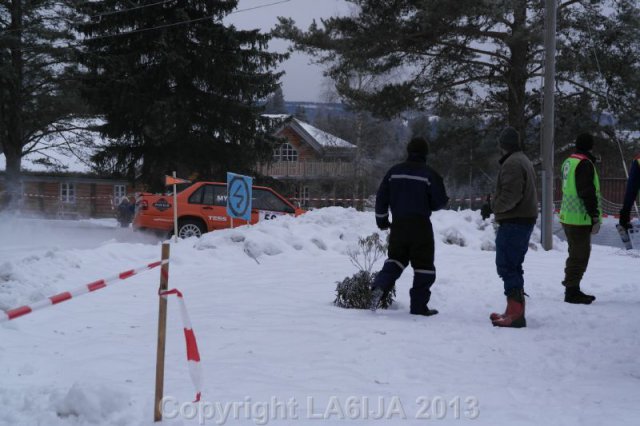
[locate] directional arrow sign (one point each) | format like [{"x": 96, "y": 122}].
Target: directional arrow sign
[{"x": 239, "y": 196}]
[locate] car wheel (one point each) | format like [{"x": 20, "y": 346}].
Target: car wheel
[{"x": 190, "y": 228}]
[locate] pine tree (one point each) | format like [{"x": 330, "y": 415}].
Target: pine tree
[
  {"x": 38, "y": 94},
  {"x": 178, "y": 89},
  {"x": 482, "y": 54},
  {"x": 275, "y": 104}
]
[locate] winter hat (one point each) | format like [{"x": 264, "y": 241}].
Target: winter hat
[
  {"x": 509, "y": 140},
  {"x": 418, "y": 146},
  {"x": 584, "y": 142}
]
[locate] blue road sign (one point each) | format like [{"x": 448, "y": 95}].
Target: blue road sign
[{"x": 239, "y": 196}]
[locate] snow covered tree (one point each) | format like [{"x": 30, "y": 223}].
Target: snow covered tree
[
  {"x": 485, "y": 55},
  {"x": 38, "y": 95},
  {"x": 178, "y": 89}
]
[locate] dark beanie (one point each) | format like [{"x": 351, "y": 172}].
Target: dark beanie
[
  {"x": 509, "y": 140},
  {"x": 584, "y": 142},
  {"x": 418, "y": 146}
]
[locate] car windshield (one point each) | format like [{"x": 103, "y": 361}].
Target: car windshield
[{"x": 179, "y": 188}]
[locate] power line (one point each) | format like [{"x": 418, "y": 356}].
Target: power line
[
  {"x": 114, "y": 12},
  {"x": 157, "y": 27},
  {"x": 184, "y": 22}
]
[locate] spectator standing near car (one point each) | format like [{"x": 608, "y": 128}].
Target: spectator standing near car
[
  {"x": 125, "y": 212},
  {"x": 515, "y": 206},
  {"x": 411, "y": 190},
  {"x": 580, "y": 215},
  {"x": 485, "y": 210},
  {"x": 631, "y": 194}
]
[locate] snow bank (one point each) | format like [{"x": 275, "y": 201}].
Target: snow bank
[
  {"x": 336, "y": 229},
  {"x": 82, "y": 404},
  {"x": 41, "y": 273}
]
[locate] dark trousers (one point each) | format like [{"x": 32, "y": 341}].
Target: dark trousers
[
  {"x": 579, "y": 239},
  {"x": 512, "y": 244},
  {"x": 411, "y": 241}
]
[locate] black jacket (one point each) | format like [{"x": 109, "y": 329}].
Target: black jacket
[
  {"x": 633, "y": 185},
  {"x": 410, "y": 189}
]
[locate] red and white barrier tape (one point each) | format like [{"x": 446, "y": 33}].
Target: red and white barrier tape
[
  {"x": 193, "y": 356},
  {"x": 328, "y": 199},
  {"x": 458, "y": 200},
  {"x": 101, "y": 197},
  {"x": 87, "y": 288}
]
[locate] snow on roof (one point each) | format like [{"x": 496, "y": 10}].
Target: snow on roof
[
  {"x": 276, "y": 116},
  {"x": 325, "y": 139}
]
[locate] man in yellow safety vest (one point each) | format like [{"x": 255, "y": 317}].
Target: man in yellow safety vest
[{"x": 580, "y": 215}]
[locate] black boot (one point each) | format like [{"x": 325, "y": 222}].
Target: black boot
[
  {"x": 419, "y": 299},
  {"x": 576, "y": 296}
]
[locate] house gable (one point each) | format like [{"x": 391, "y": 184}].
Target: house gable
[{"x": 313, "y": 143}]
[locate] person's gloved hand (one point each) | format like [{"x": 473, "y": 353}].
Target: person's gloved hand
[
  {"x": 595, "y": 225},
  {"x": 383, "y": 223},
  {"x": 625, "y": 219}
]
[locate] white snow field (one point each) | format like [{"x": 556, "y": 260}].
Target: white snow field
[{"x": 274, "y": 349}]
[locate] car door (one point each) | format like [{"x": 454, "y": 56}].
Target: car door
[
  {"x": 268, "y": 205},
  {"x": 211, "y": 201}
]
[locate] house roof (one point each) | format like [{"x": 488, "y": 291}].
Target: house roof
[{"x": 316, "y": 138}]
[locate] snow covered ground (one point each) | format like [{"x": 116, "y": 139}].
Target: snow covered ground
[{"x": 276, "y": 351}]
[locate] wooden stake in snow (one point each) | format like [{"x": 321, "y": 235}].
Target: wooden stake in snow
[{"x": 162, "y": 334}]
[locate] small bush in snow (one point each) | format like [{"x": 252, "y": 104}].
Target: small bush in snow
[{"x": 354, "y": 292}]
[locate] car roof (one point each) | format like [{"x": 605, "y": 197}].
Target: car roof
[{"x": 225, "y": 184}]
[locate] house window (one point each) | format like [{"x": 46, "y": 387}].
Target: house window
[
  {"x": 68, "y": 192},
  {"x": 119, "y": 191},
  {"x": 286, "y": 152}
]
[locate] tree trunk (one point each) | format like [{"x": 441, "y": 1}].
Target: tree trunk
[
  {"x": 516, "y": 76},
  {"x": 13, "y": 143}
]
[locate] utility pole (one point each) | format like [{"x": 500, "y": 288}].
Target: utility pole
[
  {"x": 547, "y": 147},
  {"x": 470, "y": 173}
]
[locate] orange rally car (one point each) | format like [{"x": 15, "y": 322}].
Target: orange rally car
[{"x": 202, "y": 207}]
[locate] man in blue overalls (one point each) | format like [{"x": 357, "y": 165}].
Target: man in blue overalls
[{"x": 411, "y": 190}]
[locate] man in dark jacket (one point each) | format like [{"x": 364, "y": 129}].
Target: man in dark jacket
[
  {"x": 485, "y": 210},
  {"x": 125, "y": 212},
  {"x": 580, "y": 215},
  {"x": 515, "y": 206},
  {"x": 412, "y": 190},
  {"x": 632, "y": 192}
]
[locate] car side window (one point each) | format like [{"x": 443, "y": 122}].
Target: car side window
[
  {"x": 220, "y": 195},
  {"x": 266, "y": 200},
  {"x": 196, "y": 197},
  {"x": 209, "y": 195}
]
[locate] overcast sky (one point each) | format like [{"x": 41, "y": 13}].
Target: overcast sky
[{"x": 302, "y": 81}]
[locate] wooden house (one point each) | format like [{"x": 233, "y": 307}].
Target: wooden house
[{"x": 317, "y": 168}]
